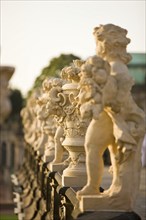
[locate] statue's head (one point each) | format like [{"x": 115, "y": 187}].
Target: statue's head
[
  {"x": 71, "y": 73},
  {"x": 111, "y": 42}
]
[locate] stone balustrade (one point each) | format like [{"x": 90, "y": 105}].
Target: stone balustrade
[{"x": 68, "y": 124}]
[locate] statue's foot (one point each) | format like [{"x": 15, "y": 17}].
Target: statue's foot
[
  {"x": 88, "y": 190},
  {"x": 113, "y": 189},
  {"x": 108, "y": 191},
  {"x": 56, "y": 161}
]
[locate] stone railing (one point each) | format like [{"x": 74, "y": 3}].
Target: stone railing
[{"x": 68, "y": 124}]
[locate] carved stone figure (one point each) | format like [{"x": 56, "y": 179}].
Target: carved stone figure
[
  {"x": 116, "y": 122},
  {"x": 39, "y": 126},
  {"x": 46, "y": 145},
  {"x": 55, "y": 110},
  {"x": 31, "y": 124}
]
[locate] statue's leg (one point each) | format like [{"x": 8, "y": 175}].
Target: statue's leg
[
  {"x": 95, "y": 167},
  {"x": 41, "y": 144},
  {"x": 58, "y": 146},
  {"x": 115, "y": 166},
  {"x": 98, "y": 137}
]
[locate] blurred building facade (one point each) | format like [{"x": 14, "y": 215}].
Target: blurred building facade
[{"x": 11, "y": 138}]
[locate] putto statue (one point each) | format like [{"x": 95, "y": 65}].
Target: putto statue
[{"x": 116, "y": 122}]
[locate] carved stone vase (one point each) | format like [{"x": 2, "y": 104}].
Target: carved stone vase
[{"x": 75, "y": 173}]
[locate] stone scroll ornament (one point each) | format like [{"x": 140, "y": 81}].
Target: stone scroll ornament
[{"x": 116, "y": 123}]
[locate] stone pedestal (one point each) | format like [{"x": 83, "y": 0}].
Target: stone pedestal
[
  {"x": 75, "y": 174},
  {"x": 77, "y": 181},
  {"x": 57, "y": 167},
  {"x": 109, "y": 216},
  {"x": 49, "y": 157},
  {"x": 100, "y": 203}
]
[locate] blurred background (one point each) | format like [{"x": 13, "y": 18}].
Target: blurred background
[{"x": 39, "y": 38}]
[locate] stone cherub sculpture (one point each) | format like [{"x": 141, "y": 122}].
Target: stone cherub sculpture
[
  {"x": 54, "y": 110},
  {"x": 48, "y": 126},
  {"x": 116, "y": 121},
  {"x": 31, "y": 124}
]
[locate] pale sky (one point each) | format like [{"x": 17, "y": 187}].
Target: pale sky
[{"x": 34, "y": 32}]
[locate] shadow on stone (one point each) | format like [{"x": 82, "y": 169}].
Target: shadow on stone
[{"x": 109, "y": 216}]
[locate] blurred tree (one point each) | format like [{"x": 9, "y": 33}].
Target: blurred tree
[
  {"x": 53, "y": 69},
  {"x": 17, "y": 101}
]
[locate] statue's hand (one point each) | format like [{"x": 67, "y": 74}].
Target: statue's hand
[
  {"x": 115, "y": 106},
  {"x": 125, "y": 148},
  {"x": 124, "y": 152}
]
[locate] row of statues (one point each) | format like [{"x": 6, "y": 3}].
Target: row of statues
[{"x": 73, "y": 119}]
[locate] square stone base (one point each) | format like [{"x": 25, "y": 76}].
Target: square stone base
[
  {"x": 108, "y": 216},
  {"x": 48, "y": 158},
  {"x": 76, "y": 181},
  {"x": 58, "y": 167},
  {"x": 100, "y": 203}
]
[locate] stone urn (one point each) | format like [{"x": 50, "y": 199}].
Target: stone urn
[{"x": 74, "y": 128}]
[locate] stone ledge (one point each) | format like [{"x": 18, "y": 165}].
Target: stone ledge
[
  {"x": 109, "y": 216},
  {"x": 104, "y": 203}
]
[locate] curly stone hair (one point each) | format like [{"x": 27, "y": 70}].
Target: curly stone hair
[{"x": 113, "y": 42}]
